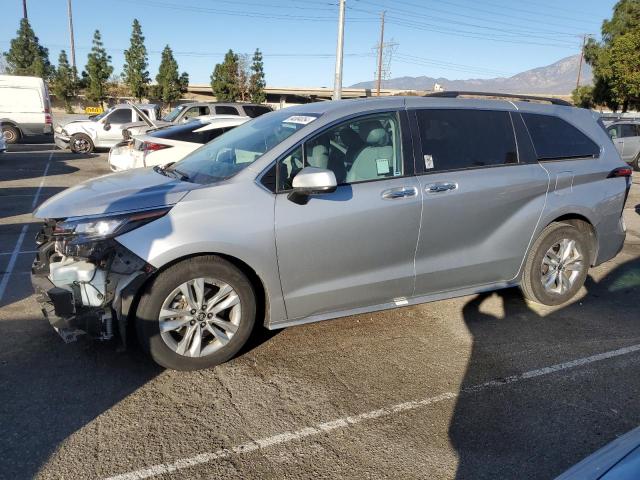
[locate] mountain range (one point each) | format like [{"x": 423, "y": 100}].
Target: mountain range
[{"x": 558, "y": 78}]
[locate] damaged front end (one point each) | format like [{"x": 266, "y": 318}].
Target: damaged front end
[{"x": 84, "y": 279}]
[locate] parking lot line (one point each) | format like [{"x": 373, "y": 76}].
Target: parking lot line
[
  {"x": 16, "y": 250},
  {"x": 345, "y": 422}
]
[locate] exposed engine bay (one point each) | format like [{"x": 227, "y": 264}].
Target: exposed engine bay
[{"x": 85, "y": 283}]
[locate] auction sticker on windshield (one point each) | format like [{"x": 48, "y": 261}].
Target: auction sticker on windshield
[{"x": 300, "y": 119}]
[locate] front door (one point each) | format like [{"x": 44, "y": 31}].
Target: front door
[
  {"x": 354, "y": 247},
  {"x": 630, "y": 133},
  {"x": 480, "y": 205},
  {"x": 110, "y": 129}
]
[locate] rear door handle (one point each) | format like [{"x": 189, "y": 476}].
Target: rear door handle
[
  {"x": 399, "y": 192},
  {"x": 441, "y": 187}
]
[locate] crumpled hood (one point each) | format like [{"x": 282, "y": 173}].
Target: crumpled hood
[{"x": 131, "y": 190}]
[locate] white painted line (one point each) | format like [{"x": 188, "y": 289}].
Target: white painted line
[
  {"x": 16, "y": 250},
  {"x": 19, "y": 253},
  {"x": 345, "y": 422}
]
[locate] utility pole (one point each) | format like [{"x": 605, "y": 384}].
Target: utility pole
[
  {"x": 337, "y": 84},
  {"x": 24, "y": 8},
  {"x": 584, "y": 42},
  {"x": 73, "y": 46},
  {"x": 380, "y": 49}
]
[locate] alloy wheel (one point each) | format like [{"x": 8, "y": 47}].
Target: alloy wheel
[
  {"x": 200, "y": 317},
  {"x": 561, "y": 266}
]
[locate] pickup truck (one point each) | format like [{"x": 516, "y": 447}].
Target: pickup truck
[{"x": 101, "y": 131}]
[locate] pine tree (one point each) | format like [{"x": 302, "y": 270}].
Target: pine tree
[
  {"x": 169, "y": 82},
  {"x": 99, "y": 70},
  {"x": 184, "y": 82},
  {"x": 135, "y": 74},
  {"x": 256, "y": 80},
  {"x": 64, "y": 82},
  {"x": 26, "y": 56},
  {"x": 224, "y": 79}
]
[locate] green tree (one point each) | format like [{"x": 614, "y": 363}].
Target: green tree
[
  {"x": 256, "y": 80},
  {"x": 64, "y": 82},
  {"x": 224, "y": 79},
  {"x": 99, "y": 70},
  {"x": 615, "y": 59},
  {"x": 26, "y": 56},
  {"x": 169, "y": 87},
  {"x": 135, "y": 73},
  {"x": 184, "y": 82},
  {"x": 583, "y": 96}
]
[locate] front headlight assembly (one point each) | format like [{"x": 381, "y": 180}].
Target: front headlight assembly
[
  {"x": 82, "y": 236},
  {"x": 106, "y": 227}
]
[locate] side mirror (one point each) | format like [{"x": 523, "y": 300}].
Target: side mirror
[
  {"x": 107, "y": 126},
  {"x": 312, "y": 181}
]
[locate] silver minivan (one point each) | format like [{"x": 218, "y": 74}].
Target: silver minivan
[{"x": 332, "y": 209}]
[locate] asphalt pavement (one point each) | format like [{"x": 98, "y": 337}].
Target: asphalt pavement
[{"x": 480, "y": 387}]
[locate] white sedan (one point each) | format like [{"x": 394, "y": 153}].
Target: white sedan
[{"x": 169, "y": 144}]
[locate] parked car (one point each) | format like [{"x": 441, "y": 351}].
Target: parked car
[
  {"x": 25, "y": 107},
  {"x": 626, "y": 137},
  {"x": 331, "y": 209},
  {"x": 618, "y": 460},
  {"x": 100, "y": 131},
  {"x": 169, "y": 144},
  {"x": 187, "y": 112}
]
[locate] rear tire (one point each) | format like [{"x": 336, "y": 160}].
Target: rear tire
[
  {"x": 636, "y": 163},
  {"x": 11, "y": 134},
  {"x": 81, "y": 143},
  {"x": 205, "y": 336},
  {"x": 557, "y": 265}
]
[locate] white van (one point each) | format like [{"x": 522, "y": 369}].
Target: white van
[{"x": 25, "y": 108}]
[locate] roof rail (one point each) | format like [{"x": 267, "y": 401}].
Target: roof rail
[{"x": 526, "y": 98}]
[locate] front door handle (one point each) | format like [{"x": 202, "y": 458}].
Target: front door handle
[
  {"x": 441, "y": 187},
  {"x": 399, "y": 192}
]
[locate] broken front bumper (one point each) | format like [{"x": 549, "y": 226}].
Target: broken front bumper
[
  {"x": 75, "y": 306},
  {"x": 62, "y": 141}
]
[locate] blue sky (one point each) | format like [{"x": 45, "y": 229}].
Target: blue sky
[{"x": 451, "y": 38}]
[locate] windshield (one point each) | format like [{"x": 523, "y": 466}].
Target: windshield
[
  {"x": 235, "y": 150},
  {"x": 102, "y": 115},
  {"x": 173, "y": 114}
]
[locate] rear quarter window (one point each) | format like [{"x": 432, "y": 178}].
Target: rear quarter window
[
  {"x": 554, "y": 138},
  {"x": 254, "y": 111}
]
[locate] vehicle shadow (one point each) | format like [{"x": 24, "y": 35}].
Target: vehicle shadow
[
  {"x": 31, "y": 163},
  {"x": 539, "y": 428},
  {"x": 48, "y": 390}
]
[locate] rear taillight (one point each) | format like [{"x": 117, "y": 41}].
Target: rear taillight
[
  {"x": 621, "y": 172},
  {"x": 151, "y": 147},
  {"x": 154, "y": 147},
  {"x": 47, "y": 119}
]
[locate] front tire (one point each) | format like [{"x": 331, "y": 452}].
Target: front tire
[
  {"x": 557, "y": 265},
  {"x": 11, "y": 134},
  {"x": 81, "y": 143},
  {"x": 196, "y": 314}
]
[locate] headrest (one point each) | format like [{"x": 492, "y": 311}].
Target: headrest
[
  {"x": 319, "y": 156},
  {"x": 377, "y": 138},
  {"x": 350, "y": 138}
]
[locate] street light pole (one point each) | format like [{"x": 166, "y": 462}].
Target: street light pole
[
  {"x": 73, "y": 46},
  {"x": 337, "y": 85},
  {"x": 24, "y": 8}
]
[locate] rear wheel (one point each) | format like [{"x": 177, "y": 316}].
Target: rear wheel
[
  {"x": 636, "y": 163},
  {"x": 11, "y": 134},
  {"x": 557, "y": 265},
  {"x": 196, "y": 314},
  {"x": 81, "y": 143}
]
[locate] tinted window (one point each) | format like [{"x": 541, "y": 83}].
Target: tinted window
[
  {"x": 226, "y": 110},
  {"x": 120, "y": 115},
  {"x": 454, "y": 139},
  {"x": 554, "y": 138},
  {"x": 254, "y": 111},
  {"x": 629, "y": 130},
  {"x": 187, "y": 133}
]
